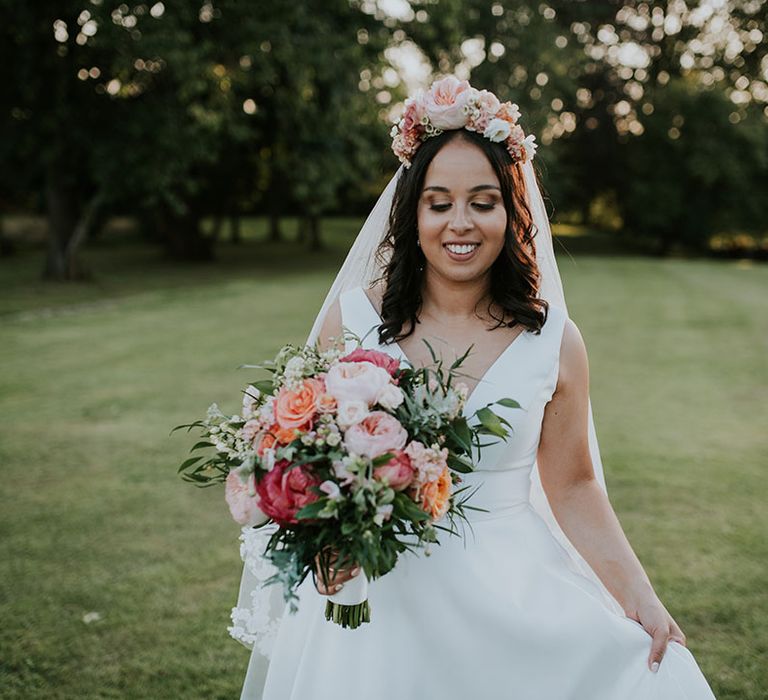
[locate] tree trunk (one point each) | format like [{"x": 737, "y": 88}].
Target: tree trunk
[
  {"x": 218, "y": 223},
  {"x": 302, "y": 233},
  {"x": 275, "y": 234},
  {"x": 235, "y": 230},
  {"x": 184, "y": 239},
  {"x": 7, "y": 247},
  {"x": 68, "y": 228},
  {"x": 313, "y": 229}
]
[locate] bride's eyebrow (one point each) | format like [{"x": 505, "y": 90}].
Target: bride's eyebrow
[{"x": 476, "y": 188}]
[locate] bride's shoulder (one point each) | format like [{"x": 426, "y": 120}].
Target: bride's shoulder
[
  {"x": 331, "y": 326},
  {"x": 574, "y": 362}
]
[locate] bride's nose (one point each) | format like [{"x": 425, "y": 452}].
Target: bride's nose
[{"x": 460, "y": 221}]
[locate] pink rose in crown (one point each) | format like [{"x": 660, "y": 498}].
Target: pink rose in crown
[
  {"x": 398, "y": 472},
  {"x": 356, "y": 381},
  {"x": 375, "y": 357},
  {"x": 243, "y": 506},
  {"x": 445, "y": 102},
  {"x": 414, "y": 111},
  {"x": 283, "y": 492},
  {"x": 376, "y": 434}
]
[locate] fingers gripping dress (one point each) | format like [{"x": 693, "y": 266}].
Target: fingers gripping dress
[{"x": 497, "y": 615}]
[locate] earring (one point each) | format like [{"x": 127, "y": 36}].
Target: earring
[{"x": 418, "y": 243}]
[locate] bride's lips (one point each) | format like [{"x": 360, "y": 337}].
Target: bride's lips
[{"x": 461, "y": 257}]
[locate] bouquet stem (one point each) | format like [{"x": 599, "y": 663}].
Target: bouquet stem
[
  {"x": 351, "y": 616},
  {"x": 349, "y": 607}
]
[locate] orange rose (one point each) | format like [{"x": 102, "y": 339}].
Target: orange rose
[
  {"x": 436, "y": 495},
  {"x": 283, "y": 435},
  {"x": 297, "y": 408}
]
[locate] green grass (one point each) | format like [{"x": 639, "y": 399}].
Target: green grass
[{"x": 94, "y": 518}]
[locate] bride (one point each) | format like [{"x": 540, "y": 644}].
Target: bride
[{"x": 545, "y": 598}]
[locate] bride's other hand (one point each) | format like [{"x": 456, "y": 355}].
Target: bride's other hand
[
  {"x": 657, "y": 621},
  {"x": 337, "y": 577}
]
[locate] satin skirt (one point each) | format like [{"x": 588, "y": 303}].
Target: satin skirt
[{"x": 498, "y": 614}]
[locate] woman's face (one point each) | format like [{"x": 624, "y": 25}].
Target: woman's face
[{"x": 461, "y": 215}]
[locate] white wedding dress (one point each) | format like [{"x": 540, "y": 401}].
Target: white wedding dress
[{"x": 497, "y": 615}]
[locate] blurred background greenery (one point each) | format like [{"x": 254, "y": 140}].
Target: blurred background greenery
[{"x": 179, "y": 186}]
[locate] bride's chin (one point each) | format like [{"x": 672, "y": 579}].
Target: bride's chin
[{"x": 460, "y": 273}]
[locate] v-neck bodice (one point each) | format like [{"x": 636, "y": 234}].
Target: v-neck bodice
[
  {"x": 526, "y": 371},
  {"x": 401, "y": 354}
]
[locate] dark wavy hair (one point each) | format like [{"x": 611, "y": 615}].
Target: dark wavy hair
[{"x": 515, "y": 275}]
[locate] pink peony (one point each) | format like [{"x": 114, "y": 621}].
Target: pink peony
[
  {"x": 283, "y": 492},
  {"x": 375, "y": 357},
  {"x": 356, "y": 381},
  {"x": 398, "y": 472},
  {"x": 243, "y": 506},
  {"x": 376, "y": 434},
  {"x": 445, "y": 102}
]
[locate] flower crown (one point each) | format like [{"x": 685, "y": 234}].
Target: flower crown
[{"x": 451, "y": 103}]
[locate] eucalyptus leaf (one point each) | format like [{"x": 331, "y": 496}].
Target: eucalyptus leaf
[
  {"x": 507, "y": 403},
  {"x": 490, "y": 421},
  {"x": 189, "y": 462}
]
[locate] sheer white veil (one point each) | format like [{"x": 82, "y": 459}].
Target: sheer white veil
[{"x": 258, "y": 611}]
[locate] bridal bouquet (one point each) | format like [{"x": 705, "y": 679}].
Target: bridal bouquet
[{"x": 355, "y": 458}]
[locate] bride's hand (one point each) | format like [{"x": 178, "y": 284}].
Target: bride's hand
[
  {"x": 657, "y": 621},
  {"x": 338, "y": 577}
]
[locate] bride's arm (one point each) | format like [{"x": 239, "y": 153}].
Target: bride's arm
[{"x": 581, "y": 505}]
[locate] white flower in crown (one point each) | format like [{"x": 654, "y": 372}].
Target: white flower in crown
[
  {"x": 530, "y": 146},
  {"x": 497, "y": 130}
]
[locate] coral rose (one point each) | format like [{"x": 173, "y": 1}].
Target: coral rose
[
  {"x": 375, "y": 357},
  {"x": 398, "y": 472},
  {"x": 283, "y": 492},
  {"x": 242, "y": 500},
  {"x": 445, "y": 102},
  {"x": 294, "y": 409},
  {"x": 376, "y": 434},
  {"x": 435, "y": 496},
  {"x": 281, "y": 435}
]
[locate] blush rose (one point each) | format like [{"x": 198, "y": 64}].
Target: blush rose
[
  {"x": 398, "y": 472},
  {"x": 376, "y": 434}
]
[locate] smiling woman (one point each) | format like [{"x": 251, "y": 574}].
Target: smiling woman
[
  {"x": 492, "y": 615},
  {"x": 472, "y": 216}
]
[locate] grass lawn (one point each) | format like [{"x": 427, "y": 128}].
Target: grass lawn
[{"x": 94, "y": 518}]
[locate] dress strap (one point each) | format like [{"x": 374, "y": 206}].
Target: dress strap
[
  {"x": 359, "y": 316},
  {"x": 552, "y": 333}
]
